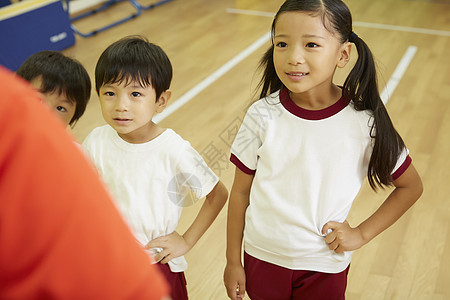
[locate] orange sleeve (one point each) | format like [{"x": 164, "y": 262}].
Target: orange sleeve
[{"x": 61, "y": 236}]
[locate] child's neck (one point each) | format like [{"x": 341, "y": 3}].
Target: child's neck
[
  {"x": 317, "y": 99},
  {"x": 143, "y": 135}
]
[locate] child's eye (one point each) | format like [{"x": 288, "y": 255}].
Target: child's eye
[
  {"x": 135, "y": 94},
  {"x": 281, "y": 45},
  {"x": 312, "y": 45},
  {"x": 61, "y": 109},
  {"x": 109, "y": 94}
]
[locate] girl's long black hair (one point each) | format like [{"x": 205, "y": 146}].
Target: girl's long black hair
[{"x": 360, "y": 86}]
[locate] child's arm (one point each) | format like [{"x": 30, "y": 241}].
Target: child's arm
[
  {"x": 175, "y": 245},
  {"x": 408, "y": 188},
  {"x": 234, "y": 275}
]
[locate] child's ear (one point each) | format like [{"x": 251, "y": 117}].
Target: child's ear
[
  {"x": 344, "y": 55},
  {"x": 163, "y": 100}
]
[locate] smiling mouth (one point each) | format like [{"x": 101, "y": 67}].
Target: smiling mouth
[{"x": 297, "y": 74}]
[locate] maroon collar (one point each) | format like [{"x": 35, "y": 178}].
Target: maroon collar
[{"x": 307, "y": 114}]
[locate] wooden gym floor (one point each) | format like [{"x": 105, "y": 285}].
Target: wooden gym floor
[{"x": 215, "y": 46}]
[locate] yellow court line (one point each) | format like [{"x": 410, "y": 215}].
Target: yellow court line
[{"x": 18, "y": 8}]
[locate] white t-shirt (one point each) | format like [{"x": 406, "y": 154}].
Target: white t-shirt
[
  {"x": 308, "y": 167},
  {"x": 152, "y": 181}
]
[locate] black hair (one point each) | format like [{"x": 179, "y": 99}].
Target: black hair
[
  {"x": 360, "y": 86},
  {"x": 134, "y": 58},
  {"x": 60, "y": 74}
]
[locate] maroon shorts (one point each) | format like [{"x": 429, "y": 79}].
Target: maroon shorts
[
  {"x": 266, "y": 281},
  {"x": 176, "y": 281}
]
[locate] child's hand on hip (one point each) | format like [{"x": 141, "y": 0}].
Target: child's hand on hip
[
  {"x": 341, "y": 237},
  {"x": 172, "y": 245}
]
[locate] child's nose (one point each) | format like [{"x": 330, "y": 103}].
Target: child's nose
[
  {"x": 296, "y": 56},
  {"x": 122, "y": 103}
]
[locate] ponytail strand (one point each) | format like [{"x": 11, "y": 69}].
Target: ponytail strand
[{"x": 362, "y": 88}]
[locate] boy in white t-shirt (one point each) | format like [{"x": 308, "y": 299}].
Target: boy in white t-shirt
[{"x": 151, "y": 171}]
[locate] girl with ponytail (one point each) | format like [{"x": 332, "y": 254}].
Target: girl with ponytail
[{"x": 301, "y": 156}]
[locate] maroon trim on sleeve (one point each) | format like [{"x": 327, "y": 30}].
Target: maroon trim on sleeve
[
  {"x": 241, "y": 166},
  {"x": 402, "y": 168}
]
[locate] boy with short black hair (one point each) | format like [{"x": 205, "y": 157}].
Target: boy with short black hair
[
  {"x": 151, "y": 171},
  {"x": 63, "y": 82}
]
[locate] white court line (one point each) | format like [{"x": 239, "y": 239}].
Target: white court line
[
  {"x": 250, "y": 12},
  {"x": 398, "y": 74},
  {"x": 356, "y": 24},
  {"x": 402, "y": 28},
  {"x": 211, "y": 78}
]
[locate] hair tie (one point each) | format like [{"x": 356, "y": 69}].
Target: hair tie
[{"x": 353, "y": 37}]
